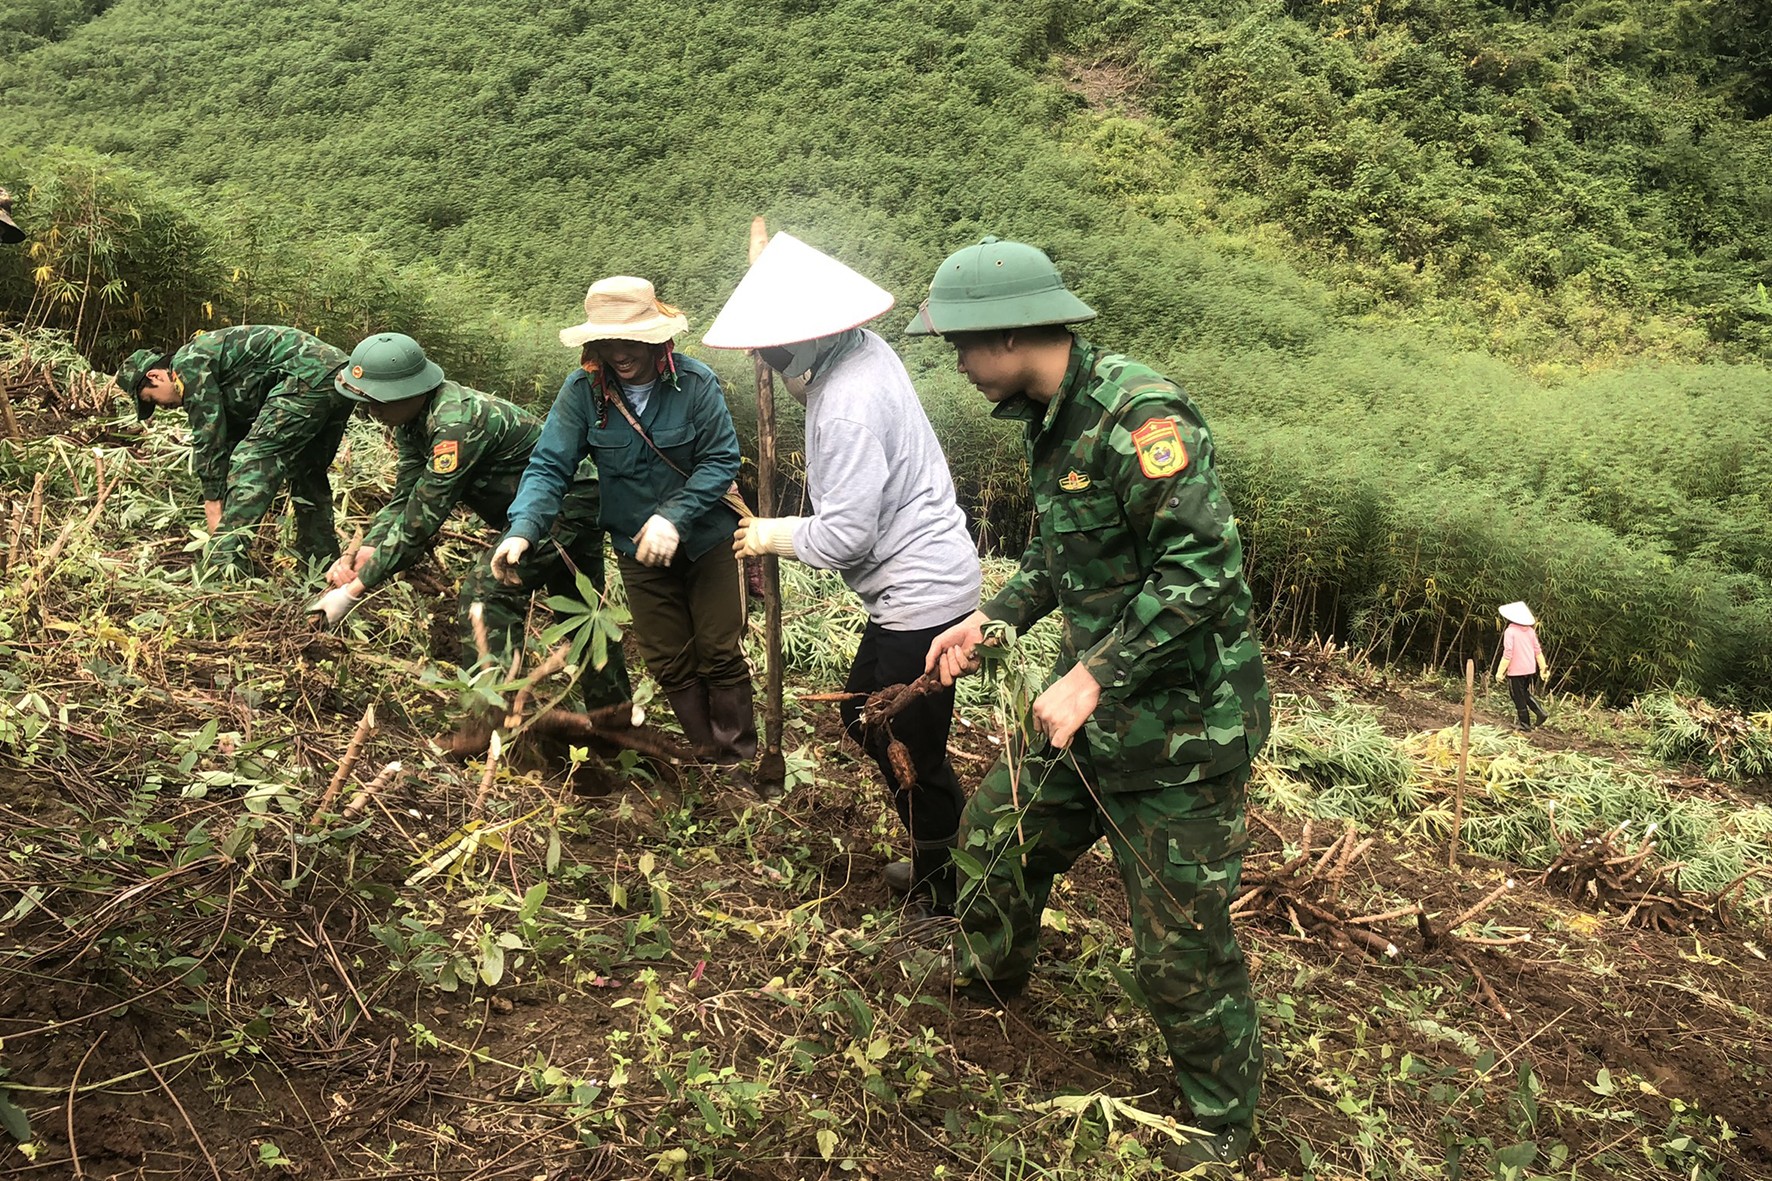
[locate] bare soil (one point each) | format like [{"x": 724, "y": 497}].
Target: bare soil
[{"x": 283, "y": 1044}]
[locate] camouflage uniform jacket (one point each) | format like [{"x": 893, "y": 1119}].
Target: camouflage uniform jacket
[
  {"x": 465, "y": 448},
  {"x": 1136, "y": 546},
  {"x": 230, "y": 377}
]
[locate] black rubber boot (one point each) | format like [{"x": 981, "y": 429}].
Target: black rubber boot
[
  {"x": 932, "y": 873},
  {"x": 899, "y": 877},
  {"x": 690, "y": 704},
  {"x": 990, "y": 992},
  {"x": 734, "y": 723}
]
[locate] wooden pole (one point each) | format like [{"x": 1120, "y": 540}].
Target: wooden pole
[
  {"x": 1464, "y": 755},
  {"x": 771, "y": 766}
]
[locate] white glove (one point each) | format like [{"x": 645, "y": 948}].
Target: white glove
[
  {"x": 334, "y": 605},
  {"x": 765, "y": 535},
  {"x": 507, "y": 557},
  {"x": 656, "y": 543}
]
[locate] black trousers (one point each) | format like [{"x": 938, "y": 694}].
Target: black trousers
[
  {"x": 689, "y": 618},
  {"x": 1521, "y": 688},
  {"x": 931, "y": 808}
]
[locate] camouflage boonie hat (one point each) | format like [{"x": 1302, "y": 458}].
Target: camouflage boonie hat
[{"x": 133, "y": 372}]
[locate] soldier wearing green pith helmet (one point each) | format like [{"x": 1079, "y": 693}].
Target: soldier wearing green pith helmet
[
  {"x": 263, "y": 413},
  {"x": 1160, "y": 701},
  {"x": 460, "y": 446}
]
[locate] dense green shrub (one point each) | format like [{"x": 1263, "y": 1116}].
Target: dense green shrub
[
  {"x": 118, "y": 261},
  {"x": 1554, "y": 164}
]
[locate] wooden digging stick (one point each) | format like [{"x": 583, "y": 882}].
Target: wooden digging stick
[
  {"x": 1464, "y": 755},
  {"x": 771, "y": 766}
]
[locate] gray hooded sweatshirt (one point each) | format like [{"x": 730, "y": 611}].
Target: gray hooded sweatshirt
[{"x": 885, "y": 514}]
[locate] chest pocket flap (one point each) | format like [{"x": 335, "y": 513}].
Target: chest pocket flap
[
  {"x": 677, "y": 442},
  {"x": 1092, "y": 548},
  {"x": 613, "y": 448},
  {"x": 1083, "y": 514}
]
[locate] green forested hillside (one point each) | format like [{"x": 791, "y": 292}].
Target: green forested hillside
[
  {"x": 1471, "y": 291},
  {"x": 1546, "y": 165}
]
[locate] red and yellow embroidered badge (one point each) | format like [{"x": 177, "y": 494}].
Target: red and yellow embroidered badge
[
  {"x": 1160, "y": 449},
  {"x": 1073, "y": 481},
  {"x": 444, "y": 456}
]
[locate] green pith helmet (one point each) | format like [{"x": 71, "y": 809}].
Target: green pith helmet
[
  {"x": 996, "y": 285},
  {"x": 133, "y": 372},
  {"x": 388, "y": 367}
]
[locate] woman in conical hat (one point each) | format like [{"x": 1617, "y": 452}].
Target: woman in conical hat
[
  {"x": 884, "y": 516},
  {"x": 657, "y": 425},
  {"x": 1522, "y": 661}
]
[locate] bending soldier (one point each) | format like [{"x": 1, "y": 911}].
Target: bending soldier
[
  {"x": 460, "y": 446},
  {"x": 263, "y": 412}
]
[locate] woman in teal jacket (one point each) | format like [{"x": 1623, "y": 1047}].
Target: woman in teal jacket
[{"x": 657, "y": 425}]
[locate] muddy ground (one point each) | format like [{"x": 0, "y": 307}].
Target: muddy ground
[
  {"x": 156, "y": 1091},
  {"x": 175, "y": 1005}
]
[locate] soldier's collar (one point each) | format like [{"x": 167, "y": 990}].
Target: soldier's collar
[
  {"x": 421, "y": 422},
  {"x": 1019, "y": 408},
  {"x": 1078, "y": 372},
  {"x": 1076, "y": 378}
]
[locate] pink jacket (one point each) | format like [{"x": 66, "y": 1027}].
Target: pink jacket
[{"x": 1519, "y": 646}]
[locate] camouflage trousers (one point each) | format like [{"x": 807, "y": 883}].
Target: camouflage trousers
[
  {"x": 258, "y": 468},
  {"x": 574, "y": 546},
  {"x": 1180, "y": 856}
]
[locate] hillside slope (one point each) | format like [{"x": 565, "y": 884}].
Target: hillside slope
[
  {"x": 213, "y": 965},
  {"x": 1548, "y": 178},
  {"x": 1469, "y": 292}
]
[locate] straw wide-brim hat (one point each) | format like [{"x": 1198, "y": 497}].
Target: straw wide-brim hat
[
  {"x": 1518, "y": 613},
  {"x": 793, "y": 293},
  {"x": 624, "y": 308}
]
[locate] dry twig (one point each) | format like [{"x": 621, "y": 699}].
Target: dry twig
[
  {"x": 184, "y": 1115},
  {"x": 390, "y": 775}
]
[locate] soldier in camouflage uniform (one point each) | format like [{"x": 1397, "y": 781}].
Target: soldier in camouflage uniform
[
  {"x": 263, "y": 411},
  {"x": 460, "y": 446},
  {"x": 1160, "y": 701}
]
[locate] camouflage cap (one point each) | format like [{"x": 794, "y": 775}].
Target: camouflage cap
[
  {"x": 134, "y": 371},
  {"x": 9, "y": 231}
]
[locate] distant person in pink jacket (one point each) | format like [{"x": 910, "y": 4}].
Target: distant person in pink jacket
[{"x": 1522, "y": 661}]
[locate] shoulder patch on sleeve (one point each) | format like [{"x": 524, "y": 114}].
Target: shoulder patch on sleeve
[
  {"x": 1161, "y": 452},
  {"x": 445, "y": 456}
]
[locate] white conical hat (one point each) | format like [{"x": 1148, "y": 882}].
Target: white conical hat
[
  {"x": 794, "y": 293},
  {"x": 1518, "y": 613}
]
